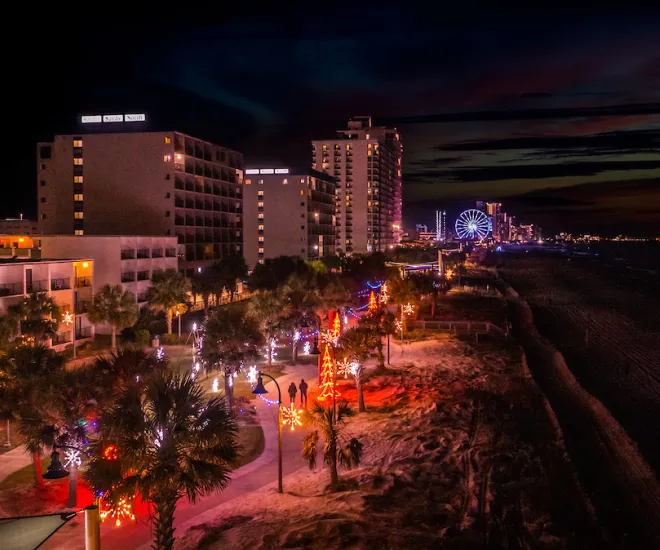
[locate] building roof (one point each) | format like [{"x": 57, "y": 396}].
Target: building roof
[
  {"x": 18, "y": 260},
  {"x": 288, "y": 171}
]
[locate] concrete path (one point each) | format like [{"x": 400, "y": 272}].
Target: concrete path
[
  {"x": 13, "y": 460},
  {"x": 257, "y": 474}
]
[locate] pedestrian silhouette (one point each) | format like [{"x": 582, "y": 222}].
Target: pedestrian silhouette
[
  {"x": 303, "y": 393},
  {"x": 292, "y": 392}
]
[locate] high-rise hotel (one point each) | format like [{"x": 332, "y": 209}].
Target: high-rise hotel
[
  {"x": 122, "y": 182},
  {"x": 366, "y": 162}
]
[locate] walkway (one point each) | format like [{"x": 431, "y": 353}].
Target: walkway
[
  {"x": 13, "y": 460},
  {"x": 255, "y": 475}
]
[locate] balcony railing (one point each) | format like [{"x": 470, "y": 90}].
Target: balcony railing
[
  {"x": 11, "y": 289},
  {"x": 128, "y": 254},
  {"x": 82, "y": 306},
  {"x": 128, "y": 277},
  {"x": 61, "y": 338},
  {"x": 143, "y": 253},
  {"x": 83, "y": 281},
  {"x": 84, "y": 332},
  {"x": 60, "y": 284},
  {"x": 37, "y": 286},
  {"x": 143, "y": 275}
]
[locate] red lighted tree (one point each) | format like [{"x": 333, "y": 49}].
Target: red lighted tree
[
  {"x": 327, "y": 383},
  {"x": 373, "y": 304}
]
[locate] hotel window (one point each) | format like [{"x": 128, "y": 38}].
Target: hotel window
[
  {"x": 77, "y": 142},
  {"x": 260, "y": 215},
  {"x": 285, "y": 181},
  {"x": 167, "y": 140},
  {"x": 302, "y": 191},
  {"x": 77, "y": 179},
  {"x": 78, "y": 197},
  {"x": 260, "y": 204},
  {"x": 261, "y": 238},
  {"x": 261, "y": 182},
  {"x": 261, "y": 227},
  {"x": 302, "y": 180},
  {"x": 261, "y": 260},
  {"x": 248, "y": 182},
  {"x": 79, "y": 232},
  {"x": 77, "y": 161},
  {"x": 261, "y": 250},
  {"x": 78, "y": 215},
  {"x": 167, "y": 158},
  {"x": 260, "y": 194}
]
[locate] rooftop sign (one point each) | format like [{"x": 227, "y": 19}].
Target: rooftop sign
[{"x": 129, "y": 117}]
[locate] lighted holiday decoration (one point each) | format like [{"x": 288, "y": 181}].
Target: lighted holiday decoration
[
  {"x": 473, "y": 224},
  {"x": 346, "y": 368},
  {"x": 230, "y": 381},
  {"x": 408, "y": 309},
  {"x": 384, "y": 296},
  {"x": 216, "y": 385},
  {"x": 110, "y": 452},
  {"x": 122, "y": 510},
  {"x": 373, "y": 304},
  {"x": 307, "y": 348},
  {"x": 291, "y": 417},
  {"x": 398, "y": 325},
  {"x": 72, "y": 458},
  {"x": 327, "y": 385},
  {"x": 252, "y": 374},
  {"x": 269, "y": 350},
  {"x": 67, "y": 318},
  {"x": 329, "y": 338},
  {"x": 160, "y": 354},
  {"x": 336, "y": 326}
]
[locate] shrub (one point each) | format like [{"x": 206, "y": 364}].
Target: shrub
[
  {"x": 142, "y": 337},
  {"x": 169, "y": 339}
]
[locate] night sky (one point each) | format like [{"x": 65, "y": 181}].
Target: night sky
[{"x": 557, "y": 117}]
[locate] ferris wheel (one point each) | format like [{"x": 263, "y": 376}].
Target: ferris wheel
[{"x": 473, "y": 224}]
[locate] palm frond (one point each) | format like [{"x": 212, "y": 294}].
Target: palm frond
[{"x": 310, "y": 450}]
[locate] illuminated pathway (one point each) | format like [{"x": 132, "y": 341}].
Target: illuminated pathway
[{"x": 255, "y": 475}]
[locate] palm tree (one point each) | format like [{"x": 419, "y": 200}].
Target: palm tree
[
  {"x": 231, "y": 340},
  {"x": 9, "y": 327},
  {"x": 171, "y": 443},
  {"x": 302, "y": 296},
  {"x": 381, "y": 323},
  {"x": 116, "y": 307},
  {"x": 269, "y": 309},
  {"x": 228, "y": 271},
  {"x": 333, "y": 296},
  {"x": 357, "y": 344},
  {"x": 127, "y": 366},
  {"x": 336, "y": 450},
  {"x": 39, "y": 315},
  {"x": 168, "y": 290},
  {"x": 25, "y": 372}
]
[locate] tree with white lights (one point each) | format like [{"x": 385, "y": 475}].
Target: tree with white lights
[
  {"x": 357, "y": 345},
  {"x": 269, "y": 309}
]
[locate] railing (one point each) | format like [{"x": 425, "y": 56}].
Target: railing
[
  {"x": 128, "y": 254},
  {"x": 142, "y": 275},
  {"x": 128, "y": 277},
  {"x": 11, "y": 289},
  {"x": 143, "y": 253},
  {"x": 84, "y": 332},
  {"x": 60, "y": 284},
  {"x": 64, "y": 338},
  {"x": 83, "y": 282},
  {"x": 37, "y": 286},
  {"x": 82, "y": 306}
]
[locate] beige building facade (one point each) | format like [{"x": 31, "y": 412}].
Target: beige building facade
[
  {"x": 69, "y": 282},
  {"x": 288, "y": 211},
  {"x": 143, "y": 183},
  {"x": 366, "y": 162}
]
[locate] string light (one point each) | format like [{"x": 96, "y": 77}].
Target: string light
[
  {"x": 327, "y": 384},
  {"x": 216, "y": 385},
  {"x": 291, "y": 417},
  {"x": 230, "y": 381},
  {"x": 122, "y": 510},
  {"x": 252, "y": 374},
  {"x": 376, "y": 286},
  {"x": 307, "y": 348},
  {"x": 160, "y": 353},
  {"x": 110, "y": 452},
  {"x": 384, "y": 296}
]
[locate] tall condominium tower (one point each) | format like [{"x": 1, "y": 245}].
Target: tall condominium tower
[
  {"x": 143, "y": 183},
  {"x": 288, "y": 212},
  {"x": 366, "y": 162},
  {"x": 441, "y": 225}
]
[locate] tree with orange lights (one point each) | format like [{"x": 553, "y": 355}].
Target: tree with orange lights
[
  {"x": 327, "y": 384},
  {"x": 373, "y": 303}
]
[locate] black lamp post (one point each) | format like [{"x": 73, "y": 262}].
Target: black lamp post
[
  {"x": 260, "y": 390},
  {"x": 57, "y": 471}
]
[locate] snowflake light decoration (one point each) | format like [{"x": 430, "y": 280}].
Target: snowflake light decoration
[
  {"x": 307, "y": 348},
  {"x": 329, "y": 338},
  {"x": 408, "y": 309},
  {"x": 122, "y": 510},
  {"x": 67, "y": 318},
  {"x": 296, "y": 336},
  {"x": 346, "y": 368},
  {"x": 252, "y": 374},
  {"x": 398, "y": 325},
  {"x": 160, "y": 353},
  {"x": 384, "y": 296},
  {"x": 291, "y": 417},
  {"x": 216, "y": 386},
  {"x": 72, "y": 458}
]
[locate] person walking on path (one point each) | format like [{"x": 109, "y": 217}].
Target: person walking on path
[
  {"x": 303, "y": 393},
  {"x": 292, "y": 392}
]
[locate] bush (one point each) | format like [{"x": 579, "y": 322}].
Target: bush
[
  {"x": 142, "y": 337},
  {"x": 169, "y": 339}
]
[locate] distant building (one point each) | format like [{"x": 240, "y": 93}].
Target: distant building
[
  {"x": 366, "y": 162},
  {"x": 426, "y": 236},
  {"x": 420, "y": 228},
  {"x": 129, "y": 260},
  {"x": 18, "y": 226},
  {"x": 528, "y": 232},
  {"x": 142, "y": 183},
  {"x": 441, "y": 225},
  {"x": 288, "y": 211},
  {"x": 67, "y": 281}
]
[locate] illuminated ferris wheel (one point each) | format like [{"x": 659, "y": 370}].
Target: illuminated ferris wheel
[{"x": 473, "y": 224}]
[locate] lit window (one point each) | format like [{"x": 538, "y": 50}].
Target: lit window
[
  {"x": 78, "y": 197},
  {"x": 248, "y": 182},
  {"x": 369, "y": 146},
  {"x": 260, "y": 193},
  {"x": 261, "y": 227},
  {"x": 261, "y": 215},
  {"x": 79, "y": 232},
  {"x": 302, "y": 191},
  {"x": 261, "y": 260},
  {"x": 77, "y": 161},
  {"x": 77, "y": 142},
  {"x": 78, "y": 215},
  {"x": 77, "y": 179},
  {"x": 261, "y": 238},
  {"x": 261, "y": 250},
  {"x": 260, "y": 204},
  {"x": 261, "y": 182},
  {"x": 302, "y": 180},
  {"x": 285, "y": 181},
  {"x": 167, "y": 158},
  {"x": 167, "y": 140}
]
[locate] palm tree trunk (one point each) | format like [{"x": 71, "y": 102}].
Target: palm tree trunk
[
  {"x": 205, "y": 299},
  {"x": 270, "y": 352},
  {"x": 168, "y": 316},
  {"x": 38, "y": 474},
  {"x": 294, "y": 353},
  {"x": 229, "y": 393},
  {"x": 113, "y": 339},
  {"x": 73, "y": 482},
  {"x": 360, "y": 390},
  {"x": 163, "y": 529},
  {"x": 334, "y": 475},
  {"x": 433, "y": 308}
]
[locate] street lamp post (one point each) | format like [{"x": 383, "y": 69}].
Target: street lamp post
[
  {"x": 260, "y": 390},
  {"x": 57, "y": 471}
]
